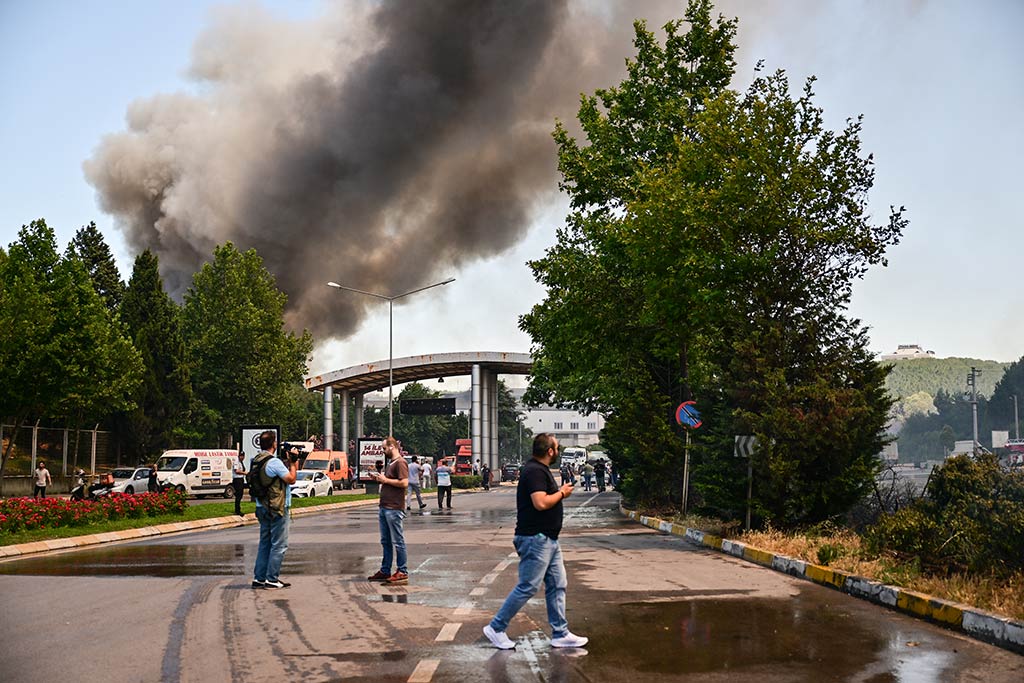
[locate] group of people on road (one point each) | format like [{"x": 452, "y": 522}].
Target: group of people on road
[
  {"x": 539, "y": 515},
  {"x": 592, "y": 474}
]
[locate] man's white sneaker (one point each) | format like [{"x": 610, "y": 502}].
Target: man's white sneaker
[
  {"x": 499, "y": 639},
  {"x": 569, "y": 640}
]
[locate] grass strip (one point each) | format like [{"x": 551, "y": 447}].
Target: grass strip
[{"x": 193, "y": 512}]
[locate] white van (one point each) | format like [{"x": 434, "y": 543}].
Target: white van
[
  {"x": 574, "y": 455},
  {"x": 197, "y": 472}
]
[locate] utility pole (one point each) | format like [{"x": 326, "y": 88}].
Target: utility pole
[
  {"x": 1016, "y": 421},
  {"x": 972, "y": 382}
]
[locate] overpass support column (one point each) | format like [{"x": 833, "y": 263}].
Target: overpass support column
[
  {"x": 475, "y": 413},
  {"x": 344, "y": 420},
  {"x": 359, "y": 417},
  {"x": 494, "y": 458},
  {"x": 485, "y": 416},
  {"x": 329, "y": 418}
]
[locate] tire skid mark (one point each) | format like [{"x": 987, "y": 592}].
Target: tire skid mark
[{"x": 197, "y": 592}]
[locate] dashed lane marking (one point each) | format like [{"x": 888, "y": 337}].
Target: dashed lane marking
[
  {"x": 489, "y": 579},
  {"x": 448, "y": 632},
  {"x": 424, "y": 671},
  {"x": 477, "y": 592},
  {"x": 464, "y": 609}
]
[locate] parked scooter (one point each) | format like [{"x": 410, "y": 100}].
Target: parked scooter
[{"x": 83, "y": 490}]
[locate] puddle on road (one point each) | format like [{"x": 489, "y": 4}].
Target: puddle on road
[
  {"x": 185, "y": 560},
  {"x": 791, "y": 636}
]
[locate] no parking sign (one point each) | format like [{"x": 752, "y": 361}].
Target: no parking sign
[{"x": 688, "y": 416}]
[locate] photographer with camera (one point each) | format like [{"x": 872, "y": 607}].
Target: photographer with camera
[{"x": 269, "y": 484}]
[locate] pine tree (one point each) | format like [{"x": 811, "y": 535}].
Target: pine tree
[{"x": 90, "y": 247}]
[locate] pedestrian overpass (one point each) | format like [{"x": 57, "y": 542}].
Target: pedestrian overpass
[{"x": 482, "y": 366}]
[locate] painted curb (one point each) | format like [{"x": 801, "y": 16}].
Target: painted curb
[{"x": 985, "y": 626}]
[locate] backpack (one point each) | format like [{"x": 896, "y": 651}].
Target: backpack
[{"x": 259, "y": 487}]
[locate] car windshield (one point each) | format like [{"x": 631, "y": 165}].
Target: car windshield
[
  {"x": 316, "y": 465},
  {"x": 172, "y": 464},
  {"x": 123, "y": 474},
  {"x": 303, "y": 475}
]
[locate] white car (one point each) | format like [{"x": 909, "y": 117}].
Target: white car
[
  {"x": 131, "y": 480},
  {"x": 309, "y": 483}
]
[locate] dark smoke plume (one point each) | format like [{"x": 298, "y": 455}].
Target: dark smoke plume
[{"x": 381, "y": 146}]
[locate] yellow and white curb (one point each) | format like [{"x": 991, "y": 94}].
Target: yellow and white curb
[{"x": 991, "y": 628}]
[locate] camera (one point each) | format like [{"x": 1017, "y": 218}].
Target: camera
[{"x": 291, "y": 452}]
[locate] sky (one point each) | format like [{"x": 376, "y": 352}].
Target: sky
[{"x": 938, "y": 83}]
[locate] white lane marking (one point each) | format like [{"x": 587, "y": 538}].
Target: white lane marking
[
  {"x": 581, "y": 506},
  {"x": 423, "y": 564},
  {"x": 531, "y": 656},
  {"x": 424, "y": 671},
  {"x": 477, "y": 592},
  {"x": 448, "y": 631},
  {"x": 464, "y": 609},
  {"x": 505, "y": 564},
  {"x": 489, "y": 579}
]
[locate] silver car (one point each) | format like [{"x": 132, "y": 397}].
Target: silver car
[{"x": 131, "y": 480}]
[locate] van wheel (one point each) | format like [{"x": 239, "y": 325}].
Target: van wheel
[
  {"x": 180, "y": 488},
  {"x": 229, "y": 491}
]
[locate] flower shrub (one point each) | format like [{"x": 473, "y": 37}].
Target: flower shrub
[
  {"x": 25, "y": 514},
  {"x": 466, "y": 481}
]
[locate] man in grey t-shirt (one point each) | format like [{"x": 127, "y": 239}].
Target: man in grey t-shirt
[{"x": 414, "y": 484}]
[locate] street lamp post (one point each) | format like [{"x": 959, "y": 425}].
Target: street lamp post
[
  {"x": 391, "y": 346},
  {"x": 1016, "y": 421}
]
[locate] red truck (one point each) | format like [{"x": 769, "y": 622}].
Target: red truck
[{"x": 464, "y": 456}]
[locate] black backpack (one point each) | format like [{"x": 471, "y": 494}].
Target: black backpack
[{"x": 259, "y": 486}]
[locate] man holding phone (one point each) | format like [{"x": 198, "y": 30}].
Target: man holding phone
[
  {"x": 538, "y": 523},
  {"x": 393, "y": 483}
]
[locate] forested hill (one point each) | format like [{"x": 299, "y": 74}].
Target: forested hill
[{"x": 950, "y": 374}]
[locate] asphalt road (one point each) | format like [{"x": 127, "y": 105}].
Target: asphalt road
[{"x": 655, "y": 608}]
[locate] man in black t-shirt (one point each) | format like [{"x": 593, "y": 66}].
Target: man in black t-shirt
[{"x": 538, "y": 523}]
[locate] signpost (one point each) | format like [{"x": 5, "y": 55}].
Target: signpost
[
  {"x": 688, "y": 417},
  {"x": 744, "y": 448},
  {"x": 427, "y": 406}
]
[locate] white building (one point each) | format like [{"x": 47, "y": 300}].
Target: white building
[
  {"x": 568, "y": 426},
  {"x": 907, "y": 351}
]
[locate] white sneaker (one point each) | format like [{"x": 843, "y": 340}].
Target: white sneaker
[
  {"x": 569, "y": 640},
  {"x": 500, "y": 639}
]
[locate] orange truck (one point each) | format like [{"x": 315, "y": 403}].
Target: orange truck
[
  {"x": 334, "y": 464},
  {"x": 464, "y": 456}
]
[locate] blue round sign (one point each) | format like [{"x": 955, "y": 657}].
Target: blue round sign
[{"x": 688, "y": 416}]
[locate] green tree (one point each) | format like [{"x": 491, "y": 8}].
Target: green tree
[
  {"x": 244, "y": 364},
  {"x": 153, "y": 321},
  {"x": 62, "y": 354},
  {"x": 91, "y": 249},
  {"x": 711, "y": 251},
  {"x": 515, "y": 439}
]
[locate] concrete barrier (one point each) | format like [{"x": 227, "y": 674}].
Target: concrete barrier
[{"x": 985, "y": 626}]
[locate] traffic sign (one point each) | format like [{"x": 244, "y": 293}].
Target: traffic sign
[
  {"x": 688, "y": 416},
  {"x": 744, "y": 446}
]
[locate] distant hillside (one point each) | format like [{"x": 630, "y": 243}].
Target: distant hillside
[{"x": 931, "y": 374}]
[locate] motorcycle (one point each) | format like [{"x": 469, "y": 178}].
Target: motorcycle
[{"x": 85, "y": 491}]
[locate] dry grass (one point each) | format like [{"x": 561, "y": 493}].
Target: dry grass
[{"x": 842, "y": 549}]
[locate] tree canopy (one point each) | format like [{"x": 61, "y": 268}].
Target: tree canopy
[
  {"x": 710, "y": 253},
  {"x": 243, "y": 361}
]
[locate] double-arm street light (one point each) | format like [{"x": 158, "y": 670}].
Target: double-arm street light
[{"x": 391, "y": 319}]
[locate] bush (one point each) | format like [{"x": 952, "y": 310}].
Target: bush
[
  {"x": 971, "y": 519},
  {"x": 466, "y": 481},
  {"x": 26, "y": 514}
]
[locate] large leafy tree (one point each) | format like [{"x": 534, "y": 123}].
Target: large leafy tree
[
  {"x": 62, "y": 352},
  {"x": 153, "y": 321},
  {"x": 244, "y": 363},
  {"x": 92, "y": 250},
  {"x": 710, "y": 253}
]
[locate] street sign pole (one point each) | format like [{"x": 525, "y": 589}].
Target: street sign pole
[
  {"x": 686, "y": 470},
  {"x": 750, "y": 488}
]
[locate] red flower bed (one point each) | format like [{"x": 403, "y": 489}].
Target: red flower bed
[{"x": 23, "y": 514}]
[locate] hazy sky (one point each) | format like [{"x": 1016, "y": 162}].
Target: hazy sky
[{"x": 939, "y": 84}]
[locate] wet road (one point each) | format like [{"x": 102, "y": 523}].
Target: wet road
[{"x": 655, "y": 609}]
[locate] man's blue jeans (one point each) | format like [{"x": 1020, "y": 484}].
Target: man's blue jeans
[
  {"x": 540, "y": 559},
  {"x": 273, "y": 544},
  {"x": 392, "y": 539}
]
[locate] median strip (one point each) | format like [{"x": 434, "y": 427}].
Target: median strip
[{"x": 985, "y": 626}]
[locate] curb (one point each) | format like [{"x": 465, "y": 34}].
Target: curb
[{"x": 985, "y": 626}]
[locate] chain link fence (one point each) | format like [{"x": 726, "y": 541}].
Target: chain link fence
[{"x": 62, "y": 449}]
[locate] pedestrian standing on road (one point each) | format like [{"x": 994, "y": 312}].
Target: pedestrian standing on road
[
  {"x": 444, "y": 483},
  {"x": 393, "y": 483},
  {"x": 42, "y": 480},
  {"x": 415, "y": 472},
  {"x": 269, "y": 484},
  {"x": 485, "y": 476},
  {"x": 613, "y": 475},
  {"x": 588, "y": 476},
  {"x": 152, "y": 485},
  {"x": 599, "y": 470},
  {"x": 564, "y": 473},
  {"x": 238, "y": 481},
  {"x": 476, "y": 467},
  {"x": 538, "y": 524},
  {"x": 426, "y": 470}
]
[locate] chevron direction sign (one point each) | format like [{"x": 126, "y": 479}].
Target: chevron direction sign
[{"x": 744, "y": 446}]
